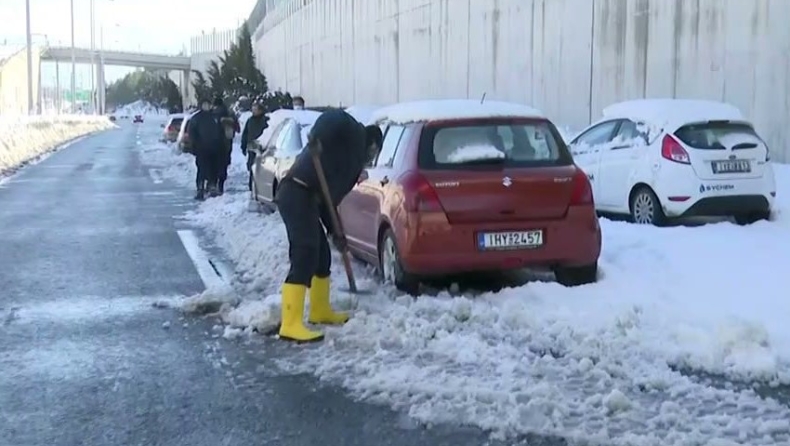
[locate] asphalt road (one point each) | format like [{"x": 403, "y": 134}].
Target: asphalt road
[{"x": 88, "y": 244}]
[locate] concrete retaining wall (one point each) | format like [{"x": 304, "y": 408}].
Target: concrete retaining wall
[
  {"x": 25, "y": 138},
  {"x": 568, "y": 57}
]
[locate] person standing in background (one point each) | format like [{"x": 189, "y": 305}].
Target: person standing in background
[
  {"x": 298, "y": 103},
  {"x": 205, "y": 135},
  {"x": 230, "y": 126},
  {"x": 253, "y": 129}
]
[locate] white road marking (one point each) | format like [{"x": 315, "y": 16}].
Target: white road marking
[{"x": 200, "y": 259}]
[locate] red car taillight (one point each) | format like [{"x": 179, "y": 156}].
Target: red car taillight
[
  {"x": 581, "y": 194},
  {"x": 673, "y": 151},
  {"x": 419, "y": 195}
]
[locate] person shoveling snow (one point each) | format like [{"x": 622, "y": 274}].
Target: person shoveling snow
[{"x": 346, "y": 147}]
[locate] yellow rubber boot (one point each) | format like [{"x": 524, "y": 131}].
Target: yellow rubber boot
[
  {"x": 292, "y": 327},
  {"x": 320, "y": 308}
]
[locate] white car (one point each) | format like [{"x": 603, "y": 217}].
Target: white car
[
  {"x": 277, "y": 148},
  {"x": 655, "y": 159},
  {"x": 182, "y": 140}
]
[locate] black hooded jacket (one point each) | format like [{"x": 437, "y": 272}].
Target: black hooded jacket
[
  {"x": 253, "y": 129},
  {"x": 343, "y": 156}
]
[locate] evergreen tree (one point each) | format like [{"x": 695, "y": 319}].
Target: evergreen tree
[
  {"x": 233, "y": 74},
  {"x": 150, "y": 86},
  {"x": 200, "y": 85}
]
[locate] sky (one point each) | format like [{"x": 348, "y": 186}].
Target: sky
[{"x": 133, "y": 25}]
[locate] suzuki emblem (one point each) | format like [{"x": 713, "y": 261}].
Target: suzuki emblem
[{"x": 507, "y": 181}]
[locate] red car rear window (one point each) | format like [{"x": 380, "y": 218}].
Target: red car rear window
[{"x": 492, "y": 145}]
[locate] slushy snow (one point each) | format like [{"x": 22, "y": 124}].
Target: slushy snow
[
  {"x": 25, "y": 138},
  {"x": 598, "y": 362}
]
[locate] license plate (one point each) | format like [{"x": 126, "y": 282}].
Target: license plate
[
  {"x": 731, "y": 166},
  {"x": 509, "y": 240}
]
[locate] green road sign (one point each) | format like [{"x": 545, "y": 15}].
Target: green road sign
[{"x": 82, "y": 95}]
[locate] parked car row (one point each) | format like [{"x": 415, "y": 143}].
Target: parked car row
[{"x": 463, "y": 186}]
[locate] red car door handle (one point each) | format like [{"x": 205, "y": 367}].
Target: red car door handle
[{"x": 384, "y": 181}]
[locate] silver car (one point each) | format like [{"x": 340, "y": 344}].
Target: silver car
[{"x": 277, "y": 148}]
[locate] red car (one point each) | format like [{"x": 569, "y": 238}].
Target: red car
[
  {"x": 461, "y": 186},
  {"x": 138, "y": 119}
]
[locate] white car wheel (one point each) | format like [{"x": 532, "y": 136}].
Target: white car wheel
[{"x": 646, "y": 209}]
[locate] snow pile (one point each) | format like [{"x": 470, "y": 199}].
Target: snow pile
[
  {"x": 28, "y": 137},
  {"x": 140, "y": 107},
  {"x": 449, "y": 109},
  {"x": 474, "y": 153},
  {"x": 305, "y": 118},
  {"x": 363, "y": 113},
  {"x": 782, "y": 203},
  {"x": 672, "y": 113},
  {"x": 580, "y": 149},
  {"x": 598, "y": 362}
]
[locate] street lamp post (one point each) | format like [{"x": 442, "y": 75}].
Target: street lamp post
[
  {"x": 73, "y": 64},
  {"x": 30, "y": 107},
  {"x": 93, "y": 55}
]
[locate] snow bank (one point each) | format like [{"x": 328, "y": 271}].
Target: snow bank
[
  {"x": 447, "y": 109},
  {"x": 25, "y": 138},
  {"x": 597, "y": 362}
]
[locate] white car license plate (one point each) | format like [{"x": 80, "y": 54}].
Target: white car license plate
[
  {"x": 731, "y": 166},
  {"x": 510, "y": 240}
]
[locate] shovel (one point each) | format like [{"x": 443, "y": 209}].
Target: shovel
[{"x": 315, "y": 151}]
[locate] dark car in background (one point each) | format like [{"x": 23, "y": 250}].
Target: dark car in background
[{"x": 138, "y": 119}]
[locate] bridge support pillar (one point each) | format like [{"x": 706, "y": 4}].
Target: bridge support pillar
[
  {"x": 185, "y": 99},
  {"x": 101, "y": 88}
]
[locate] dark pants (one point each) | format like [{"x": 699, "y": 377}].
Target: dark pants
[
  {"x": 208, "y": 162},
  {"x": 224, "y": 162},
  {"x": 250, "y": 163},
  {"x": 308, "y": 248}
]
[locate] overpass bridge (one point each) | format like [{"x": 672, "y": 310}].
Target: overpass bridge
[
  {"x": 103, "y": 58},
  {"x": 118, "y": 58}
]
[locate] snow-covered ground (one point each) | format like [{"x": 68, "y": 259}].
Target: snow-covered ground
[
  {"x": 25, "y": 138},
  {"x": 140, "y": 108},
  {"x": 598, "y": 362}
]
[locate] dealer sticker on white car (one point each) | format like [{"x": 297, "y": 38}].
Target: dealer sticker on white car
[{"x": 510, "y": 240}]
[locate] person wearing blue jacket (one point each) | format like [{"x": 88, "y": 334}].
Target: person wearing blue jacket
[{"x": 346, "y": 147}]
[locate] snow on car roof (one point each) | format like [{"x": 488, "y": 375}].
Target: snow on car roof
[
  {"x": 673, "y": 112},
  {"x": 449, "y": 109},
  {"x": 363, "y": 113},
  {"x": 305, "y": 118}
]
